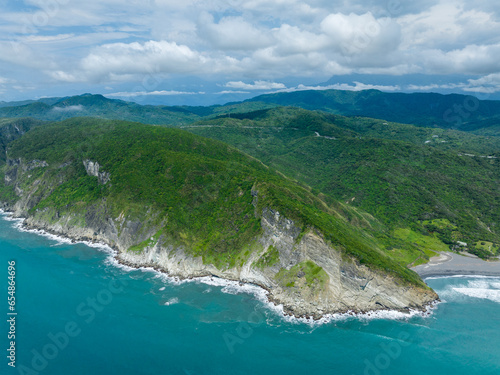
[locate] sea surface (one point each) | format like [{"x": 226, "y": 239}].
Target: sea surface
[{"x": 79, "y": 313}]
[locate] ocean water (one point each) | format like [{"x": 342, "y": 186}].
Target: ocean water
[{"x": 79, "y": 313}]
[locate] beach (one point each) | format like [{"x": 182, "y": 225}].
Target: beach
[{"x": 449, "y": 264}]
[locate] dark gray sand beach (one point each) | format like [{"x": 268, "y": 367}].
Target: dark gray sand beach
[{"x": 448, "y": 264}]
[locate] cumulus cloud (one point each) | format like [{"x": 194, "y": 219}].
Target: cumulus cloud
[
  {"x": 363, "y": 34},
  {"x": 232, "y": 33},
  {"x": 255, "y": 41},
  {"x": 449, "y": 25},
  {"x": 121, "y": 61}
]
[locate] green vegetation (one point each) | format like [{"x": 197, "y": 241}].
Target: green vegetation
[
  {"x": 429, "y": 244},
  {"x": 11, "y": 129},
  {"x": 443, "y": 229},
  {"x": 388, "y": 194},
  {"x": 269, "y": 259},
  {"x": 487, "y": 246},
  {"x": 153, "y": 240},
  {"x": 197, "y": 191},
  {"x": 402, "y": 184},
  {"x": 313, "y": 275},
  {"x": 88, "y": 105},
  {"x": 431, "y": 110}
]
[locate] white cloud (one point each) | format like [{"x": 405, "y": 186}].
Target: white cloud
[
  {"x": 17, "y": 53},
  {"x": 358, "y": 86},
  {"x": 448, "y": 25},
  {"x": 4, "y": 80},
  {"x": 257, "y": 85},
  {"x": 472, "y": 59},
  {"x": 123, "y": 60},
  {"x": 47, "y": 38},
  {"x": 70, "y": 108},
  {"x": 110, "y": 41},
  {"x": 293, "y": 40},
  {"x": 488, "y": 84},
  {"x": 232, "y": 92},
  {"x": 232, "y": 33},
  {"x": 354, "y": 35},
  {"x": 126, "y": 94}
]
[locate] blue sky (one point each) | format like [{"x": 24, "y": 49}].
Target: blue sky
[{"x": 211, "y": 51}]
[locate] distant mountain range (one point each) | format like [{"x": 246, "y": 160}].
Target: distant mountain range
[
  {"x": 452, "y": 111},
  {"x": 460, "y": 112},
  {"x": 88, "y": 105}
]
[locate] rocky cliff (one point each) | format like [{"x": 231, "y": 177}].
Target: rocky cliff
[{"x": 299, "y": 268}]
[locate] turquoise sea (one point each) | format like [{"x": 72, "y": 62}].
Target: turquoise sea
[{"x": 79, "y": 313}]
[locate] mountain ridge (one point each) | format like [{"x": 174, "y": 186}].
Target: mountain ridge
[{"x": 193, "y": 207}]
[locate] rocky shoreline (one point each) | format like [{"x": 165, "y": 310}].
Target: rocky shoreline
[
  {"x": 298, "y": 267},
  {"x": 296, "y": 305}
]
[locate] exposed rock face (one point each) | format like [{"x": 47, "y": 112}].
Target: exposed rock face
[
  {"x": 340, "y": 284},
  {"x": 92, "y": 168},
  {"x": 36, "y": 164}
]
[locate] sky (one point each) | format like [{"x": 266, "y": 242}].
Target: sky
[{"x": 215, "y": 51}]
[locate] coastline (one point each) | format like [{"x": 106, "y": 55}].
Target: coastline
[
  {"x": 230, "y": 286},
  {"x": 453, "y": 264}
]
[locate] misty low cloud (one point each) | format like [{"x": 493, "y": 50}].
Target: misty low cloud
[{"x": 70, "y": 108}]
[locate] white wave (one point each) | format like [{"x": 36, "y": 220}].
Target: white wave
[
  {"x": 236, "y": 287},
  {"x": 460, "y": 277},
  {"x": 112, "y": 261},
  {"x": 171, "y": 301},
  {"x": 365, "y": 316},
  {"x": 58, "y": 238},
  {"x": 490, "y": 294},
  {"x": 481, "y": 288},
  {"x": 162, "y": 289},
  {"x": 173, "y": 280}
]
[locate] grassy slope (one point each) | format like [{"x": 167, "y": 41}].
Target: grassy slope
[
  {"x": 198, "y": 190},
  {"x": 400, "y": 183}
]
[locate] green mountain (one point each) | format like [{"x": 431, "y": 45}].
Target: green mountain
[
  {"x": 195, "y": 206},
  {"x": 452, "y": 111},
  {"x": 98, "y": 106},
  {"x": 394, "y": 171},
  {"x": 405, "y": 176},
  {"x": 11, "y": 129},
  {"x": 88, "y": 105},
  {"x": 459, "y": 112}
]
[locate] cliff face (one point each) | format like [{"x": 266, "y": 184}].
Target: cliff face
[
  {"x": 309, "y": 276},
  {"x": 13, "y": 130}
]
